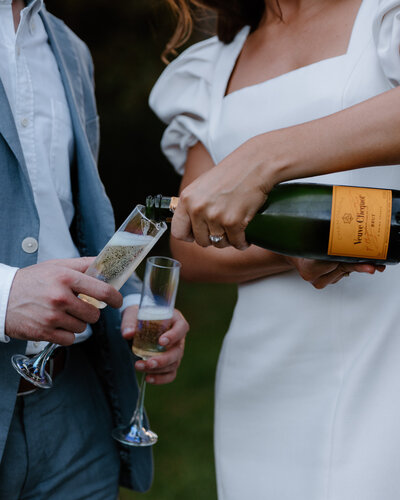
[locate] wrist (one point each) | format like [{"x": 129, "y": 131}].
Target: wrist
[
  {"x": 278, "y": 156},
  {"x": 291, "y": 261}
]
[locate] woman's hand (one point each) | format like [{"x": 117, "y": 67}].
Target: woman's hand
[
  {"x": 223, "y": 200},
  {"x": 162, "y": 368},
  {"x": 323, "y": 273}
]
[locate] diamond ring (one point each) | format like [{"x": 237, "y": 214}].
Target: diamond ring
[{"x": 214, "y": 238}]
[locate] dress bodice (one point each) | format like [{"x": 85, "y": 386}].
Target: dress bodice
[{"x": 304, "y": 94}]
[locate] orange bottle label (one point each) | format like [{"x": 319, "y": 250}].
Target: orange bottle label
[{"x": 360, "y": 222}]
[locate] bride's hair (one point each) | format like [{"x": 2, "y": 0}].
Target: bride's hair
[{"x": 232, "y": 15}]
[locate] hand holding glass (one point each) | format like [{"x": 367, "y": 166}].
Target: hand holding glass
[
  {"x": 155, "y": 313},
  {"x": 114, "y": 265}
]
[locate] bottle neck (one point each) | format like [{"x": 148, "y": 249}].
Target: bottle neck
[{"x": 161, "y": 208}]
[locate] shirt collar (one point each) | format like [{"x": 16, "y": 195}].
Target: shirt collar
[
  {"x": 33, "y": 6},
  {"x": 30, "y": 5}
]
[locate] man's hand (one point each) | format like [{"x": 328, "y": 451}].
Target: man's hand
[
  {"x": 43, "y": 302},
  {"x": 162, "y": 368},
  {"x": 322, "y": 273}
]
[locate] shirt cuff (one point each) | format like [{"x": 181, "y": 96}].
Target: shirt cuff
[
  {"x": 7, "y": 274},
  {"x": 132, "y": 299}
]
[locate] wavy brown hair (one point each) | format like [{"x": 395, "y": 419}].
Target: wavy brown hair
[{"x": 231, "y": 15}]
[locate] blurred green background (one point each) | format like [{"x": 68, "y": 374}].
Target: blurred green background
[{"x": 126, "y": 40}]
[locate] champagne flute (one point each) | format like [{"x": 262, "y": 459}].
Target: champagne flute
[
  {"x": 156, "y": 308},
  {"x": 114, "y": 265}
]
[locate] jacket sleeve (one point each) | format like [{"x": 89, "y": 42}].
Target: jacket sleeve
[{"x": 7, "y": 274}]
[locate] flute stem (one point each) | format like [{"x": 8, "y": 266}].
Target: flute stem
[{"x": 137, "y": 418}]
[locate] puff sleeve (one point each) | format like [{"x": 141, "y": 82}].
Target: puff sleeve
[
  {"x": 181, "y": 98},
  {"x": 386, "y": 32}
]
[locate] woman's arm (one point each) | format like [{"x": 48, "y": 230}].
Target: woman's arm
[
  {"x": 223, "y": 200},
  {"x": 229, "y": 265},
  {"x": 210, "y": 264}
]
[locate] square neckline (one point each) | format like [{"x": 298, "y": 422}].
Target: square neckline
[{"x": 242, "y": 36}]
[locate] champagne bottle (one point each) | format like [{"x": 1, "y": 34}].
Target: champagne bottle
[{"x": 318, "y": 221}]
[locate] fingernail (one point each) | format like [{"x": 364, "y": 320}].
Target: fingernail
[
  {"x": 163, "y": 341},
  {"x": 140, "y": 365},
  {"x": 150, "y": 380},
  {"x": 129, "y": 330},
  {"x": 152, "y": 363}
]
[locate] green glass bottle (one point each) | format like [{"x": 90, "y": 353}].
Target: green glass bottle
[{"x": 318, "y": 221}]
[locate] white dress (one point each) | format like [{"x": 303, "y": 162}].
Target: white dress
[{"x": 307, "y": 402}]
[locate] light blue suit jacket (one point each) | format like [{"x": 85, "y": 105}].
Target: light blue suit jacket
[{"x": 93, "y": 225}]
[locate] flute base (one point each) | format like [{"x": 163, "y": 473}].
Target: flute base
[
  {"x": 132, "y": 435},
  {"x": 31, "y": 372}
]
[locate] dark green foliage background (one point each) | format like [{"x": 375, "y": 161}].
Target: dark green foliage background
[{"x": 126, "y": 39}]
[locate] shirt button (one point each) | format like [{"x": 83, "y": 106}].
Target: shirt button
[
  {"x": 36, "y": 345},
  {"x": 30, "y": 245},
  {"x": 24, "y": 122}
]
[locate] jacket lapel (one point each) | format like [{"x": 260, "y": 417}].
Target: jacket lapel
[{"x": 9, "y": 131}]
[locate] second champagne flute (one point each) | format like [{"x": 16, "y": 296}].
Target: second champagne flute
[{"x": 157, "y": 302}]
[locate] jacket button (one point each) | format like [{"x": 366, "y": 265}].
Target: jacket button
[{"x": 30, "y": 245}]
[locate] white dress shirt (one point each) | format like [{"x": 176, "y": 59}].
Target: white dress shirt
[{"x": 29, "y": 73}]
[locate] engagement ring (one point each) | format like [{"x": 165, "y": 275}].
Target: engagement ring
[{"x": 214, "y": 238}]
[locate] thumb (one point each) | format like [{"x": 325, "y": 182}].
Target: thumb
[
  {"x": 181, "y": 226},
  {"x": 80, "y": 264},
  {"x": 129, "y": 320},
  {"x": 364, "y": 268}
]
